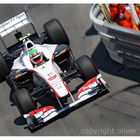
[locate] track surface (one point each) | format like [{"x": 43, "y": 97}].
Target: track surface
[{"x": 117, "y": 113}]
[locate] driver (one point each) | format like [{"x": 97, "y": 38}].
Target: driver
[{"x": 36, "y": 57}]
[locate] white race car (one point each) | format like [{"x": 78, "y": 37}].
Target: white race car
[{"x": 38, "y": 67}]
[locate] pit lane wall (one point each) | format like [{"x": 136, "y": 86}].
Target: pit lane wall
[{"x": 122, "y": 44}]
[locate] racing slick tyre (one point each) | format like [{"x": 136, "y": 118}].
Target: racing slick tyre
[
  {"x": 56, "y": 32},
  {"x": 4, "y": 70},
  {"x": 86, "y": 67},
  {"x": 24, "y": 101}
]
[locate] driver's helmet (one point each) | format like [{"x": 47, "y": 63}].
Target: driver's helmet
[{"x": 34, "y": 54}]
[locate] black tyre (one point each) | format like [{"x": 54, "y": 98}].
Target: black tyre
[
  {"x": 24, "y": 101},
  {"x": 86, "y": 67},
  {"x": 4, "y": 70},
  {"x": 56, "y": 32}
]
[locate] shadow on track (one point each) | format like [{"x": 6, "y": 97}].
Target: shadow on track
[
  {"x": 103, "y": 61},
  {"x": 11, "y": 99},
  {"x": 20, "y": 121},
  {"x": 91, "y": 31}
]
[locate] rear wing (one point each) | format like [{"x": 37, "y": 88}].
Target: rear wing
[{"x": 14, "y": 25}]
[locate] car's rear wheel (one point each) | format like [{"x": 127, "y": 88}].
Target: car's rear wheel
[
  {"x": 4, "y": 70},
  {"x": 86, "y": 67},
  {"x": 56, "y": 32},
  {"x": 24, "y": 101}
]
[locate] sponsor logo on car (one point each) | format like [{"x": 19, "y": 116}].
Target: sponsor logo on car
[{"x": 52, "y": 78}]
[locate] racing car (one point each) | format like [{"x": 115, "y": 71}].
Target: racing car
[{"x": 43, "y": 65}]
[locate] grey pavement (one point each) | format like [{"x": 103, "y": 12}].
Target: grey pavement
[{"x": 117, "y": 113}]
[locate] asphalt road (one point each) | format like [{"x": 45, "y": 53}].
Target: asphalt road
[{"x": 117, "y": 113}]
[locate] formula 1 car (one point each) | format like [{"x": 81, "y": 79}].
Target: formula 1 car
[{"x": 38, "y": 66}]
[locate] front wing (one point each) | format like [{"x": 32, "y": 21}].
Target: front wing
[{"x": 41, "y": 115}]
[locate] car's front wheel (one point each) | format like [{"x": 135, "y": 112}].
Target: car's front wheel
[
  {"x": 24, "y": 101},
  {"x": 86, "y": 67}
]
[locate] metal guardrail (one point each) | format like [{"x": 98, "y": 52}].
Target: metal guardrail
[{"x": 122, "y": 44}]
